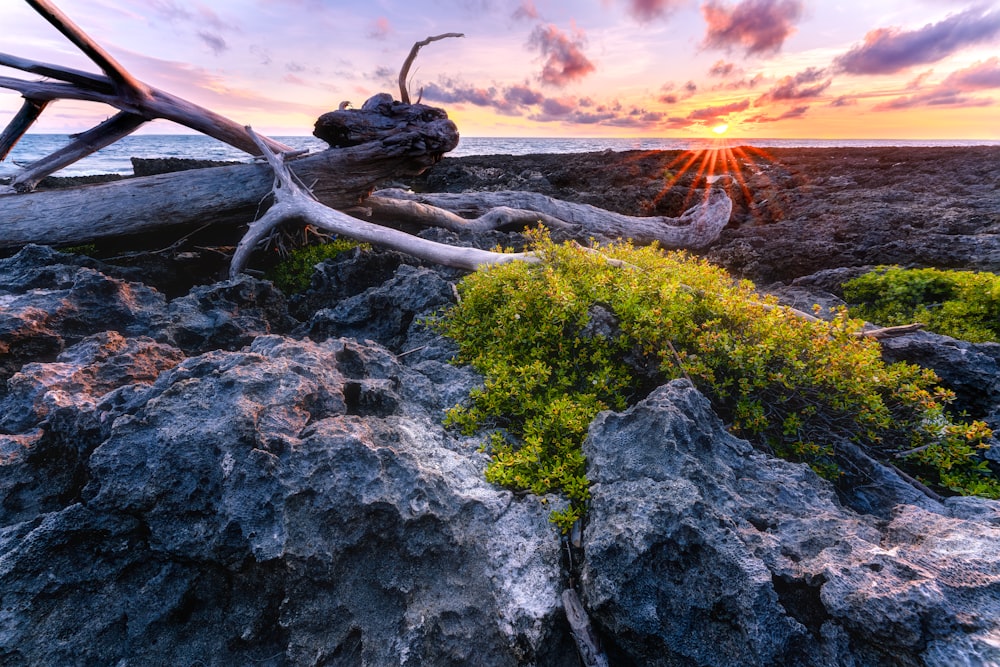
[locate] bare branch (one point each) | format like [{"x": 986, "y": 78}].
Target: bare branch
[
  {"x": 96, "y": 82},
  {"x": 120, "y": 125},
  {"x": 410, "y": 211},
  {"x": 583, "y": 633},
  {"x": 125, "y": 83},
  {"x": 19, "y": 125},
  {"x": 294, "y": 203},
  {"x": 696, "y": 228},
  {"x": 404, "y": 72},
  {"x": 137, "y": 102}
]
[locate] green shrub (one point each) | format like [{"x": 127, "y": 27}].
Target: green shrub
[
  {"x": 791, "y": 385},
  {"x": 293, "y": 273},
  {"x": 962, "y": 304}
]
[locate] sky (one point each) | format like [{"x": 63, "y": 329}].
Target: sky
[{"x": 848, "y": 69}]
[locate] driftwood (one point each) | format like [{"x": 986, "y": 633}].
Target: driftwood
[
  {"x": 587, "y": 644},
  {"x": 137, "y": 102},
  {"x": 383, "y": 140},
  {"x": 339, "y": 178},
  {"x": 292, "y": 202},
  {"x": 696, "y": 228}
]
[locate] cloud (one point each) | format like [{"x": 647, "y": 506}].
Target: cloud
[
  {"x": 671, "y": 97},
  {"x": 714, "y": 113},
  {"x": 918, "y": 82},
  {"x": 526, "y": 11},
  {"x": 647, "y": 10},
  {"x": 843, "y": 101},
  {"x": 511, "y": 101},
  {"x": 979, "y": 76},
  {"x": 381, "y": 29},
  {"x": 214, "y": 41},
  {"x": 953, "y": 91},
  {"x": 798, "y": 87},
  {"x": 262, "y": 53},
  {"x": 525, "y": 96},
  {"x": 797, "y": 112},
  {"x": 565, "y": 60},
  {"x": 722, "y": 69},
  {"x": 889, "y": 50},
  {"x": 457, "y": 94},
  {"x": 757, "y": 26}
]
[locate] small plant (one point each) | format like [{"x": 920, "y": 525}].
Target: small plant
[
  {"x": 961, "y": 304},
  {"x": 293, "y": 273},
  {"x": 790, "y": 385}
]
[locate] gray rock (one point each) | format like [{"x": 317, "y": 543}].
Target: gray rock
[
  {"x": 292, "y": 503},
  {"x": 700, "y": 550},
  {"x": 223, "y": 316},
  {"x": 49, "y": 301},
  {"x": 971, "y": 370},
  {"x": 385, "y": 313}
]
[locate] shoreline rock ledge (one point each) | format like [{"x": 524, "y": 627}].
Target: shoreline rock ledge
[{"x": 207, "y": 480}]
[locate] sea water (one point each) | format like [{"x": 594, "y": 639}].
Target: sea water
[{"x": 116, "y": 159}]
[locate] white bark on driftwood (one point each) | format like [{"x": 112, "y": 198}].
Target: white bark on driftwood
[
  {"x": 294, "y": 203},
  {"x": 696, "y": 228},
  {"x": 587, "y": 644}
]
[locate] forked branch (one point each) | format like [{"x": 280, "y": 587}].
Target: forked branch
[
  {"x": 292, "y": 202},
  {"x": 404, "y": 71}
]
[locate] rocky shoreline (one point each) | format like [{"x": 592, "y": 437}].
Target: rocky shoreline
[{"x": 226, "y": 475}]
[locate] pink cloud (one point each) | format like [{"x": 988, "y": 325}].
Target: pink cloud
[
  {"x": 804, "y": 85},
  {"x": 797, "y": 112},
  {"x": 565, "y": 61},
  {"x": 647, "y": 10},
  {"x": 722, "y": 69},
  {"x": 757, "y": 26},
  {"x": 381, "y": 29},
  {"x": 953, "y": 91},
  {"x": 889, "y": 50},
  {"x": 714, "y": 113},
  {"x": 526, "y": 11}
]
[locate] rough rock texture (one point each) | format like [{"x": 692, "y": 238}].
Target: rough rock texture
[
  {"x": 270, "y": 501},
  {"x": 700, "y": 550}
]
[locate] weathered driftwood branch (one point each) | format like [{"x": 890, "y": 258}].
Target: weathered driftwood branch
[
  {"x": 340, "y": 178},
  {"x": 137, "y": 101},
  {"x": 21, "y": 122},
  {"x": 587, "y": 644},
  {"x": 404, "y": 71},
  {"x": 294, "y": 203},
  {"x": 696, "y": 228}
]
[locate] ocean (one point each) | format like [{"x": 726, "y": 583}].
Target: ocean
[{"x": 116, "y": 159}]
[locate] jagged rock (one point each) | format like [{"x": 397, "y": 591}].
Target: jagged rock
[
  {"x": 700, "y": 550},
  {"x": 51, "y": 300},
  {"x": 224, "y": 316},
  {"x": 385, "y": 313},
  {"x": 971, "y": 370},
  {"x": 292, "y": 503}
]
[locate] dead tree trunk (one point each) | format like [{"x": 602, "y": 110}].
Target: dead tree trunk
[{"x": 340, "y": 178}]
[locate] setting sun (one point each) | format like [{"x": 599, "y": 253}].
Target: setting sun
[{"x": 720, "y": 129}]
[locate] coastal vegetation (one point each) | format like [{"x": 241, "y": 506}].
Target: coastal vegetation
[
  {"x": 562, "y": 339},
  {"x": 293, "y": 272},
  {"x": 961, "y": 304}
]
